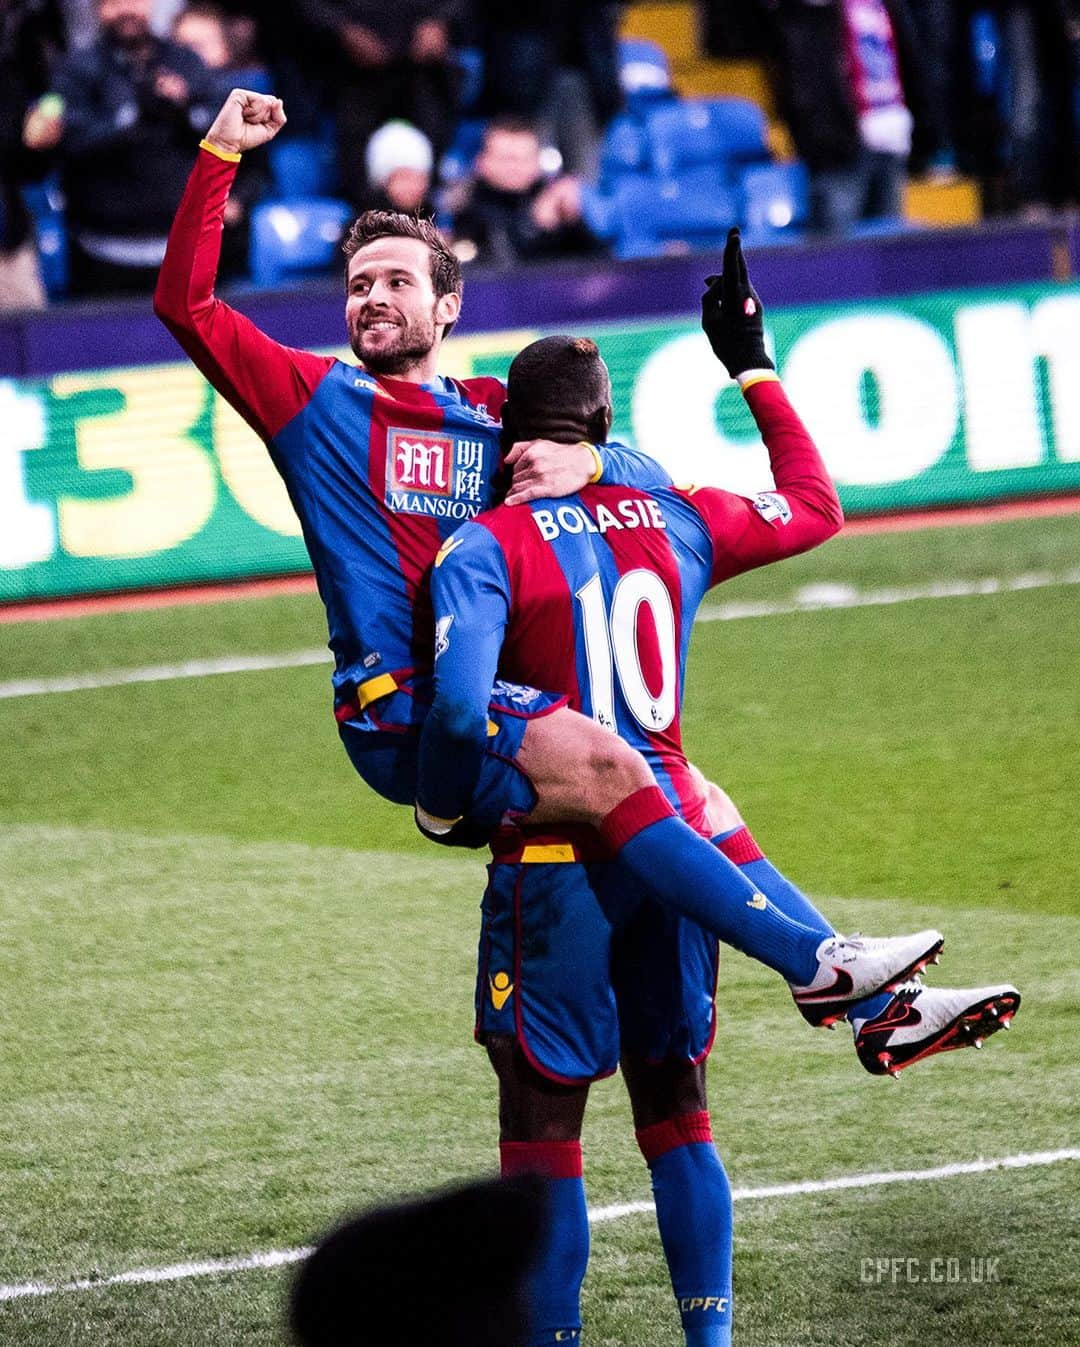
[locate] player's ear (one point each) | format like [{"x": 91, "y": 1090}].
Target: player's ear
[
  {"x": 599, "y": 424},
  {"x": 447, "y": 308}
]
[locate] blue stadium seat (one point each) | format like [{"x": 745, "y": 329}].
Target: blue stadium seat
[
  {"x": 650, "y": 217},
  {"x": 470, "y": 64},
  {"x": 296, "y": 238},
  {"x": 776, "y": 202},
  {"x": 458, "y": 159},
  {"x": 303, "y": 167},
  {"x": 45, "y": 202},
  {"x": 624, "y": 151},
  {"x": 644, "y": 72},
  {"x": 692, "y": 132}
]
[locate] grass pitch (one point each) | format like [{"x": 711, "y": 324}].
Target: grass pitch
[{"x": 237, "y": 989}]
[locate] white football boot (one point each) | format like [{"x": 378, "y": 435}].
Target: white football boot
[
  {"x": 920, "y": 1021},
  {"x": 851, "y": 968}
]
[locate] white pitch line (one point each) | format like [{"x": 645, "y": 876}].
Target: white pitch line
[
  {"x": 811, "y": 599},
  {"x": 823, "y": 597},
  {"x": 597, "y": 1216},
  {"x": 163, "y": 673}
]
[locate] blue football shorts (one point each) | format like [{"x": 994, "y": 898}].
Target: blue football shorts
[
  {"x": 580, "y": 967},
  {"x": 383, "y": 741}
]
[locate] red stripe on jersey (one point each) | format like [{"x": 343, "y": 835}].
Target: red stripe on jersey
[
  {"x": 490, "y": 394},
  {"x": 540, "y": 644},
  {"x": 650, "y": 549},
  {"x": 415, "y": 538}
]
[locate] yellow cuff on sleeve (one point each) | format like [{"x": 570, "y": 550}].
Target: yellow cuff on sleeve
[
  {"x": 230, "y": 156},
  {"x": 598, "y": 470},
  {"x": 748, "y": 378}
]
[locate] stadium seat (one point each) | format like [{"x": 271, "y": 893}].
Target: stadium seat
[
  {"x": 644, "y": 73},
  {"x": 624, "y": 152},
  {"x": 776, "y": 201},
  {"x": 303, "y": 167},
  {"x": 692, "y": 132},
  {"x": 296, "y": 238},
  {"x": 470, "y": 64},
  {"x": 45, "y": 202},
  {"x": 650, "y": 217},
  {"x": 463, "y": 149}
]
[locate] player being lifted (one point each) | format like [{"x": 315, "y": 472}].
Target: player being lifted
[
  {"x": 381, "y": 463},
  {"x": 596, "y": 594}
]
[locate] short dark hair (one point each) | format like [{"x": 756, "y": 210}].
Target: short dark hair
[
  {"x": 512, "y": 126},
  {"x": 562, "y": 375},
  {"x": 391, "y": 224}
]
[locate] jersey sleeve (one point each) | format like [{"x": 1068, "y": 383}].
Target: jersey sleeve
[
  {"x": 470, "y": 592},
  {"x": 802, "y": 512},
  {"x": 266, "y": 382},
  {"x": 621, "y": 466}
]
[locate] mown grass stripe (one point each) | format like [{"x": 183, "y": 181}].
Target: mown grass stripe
[
  {"x": 274, "y": 1258},
  {"x": 811, "y": 599}
]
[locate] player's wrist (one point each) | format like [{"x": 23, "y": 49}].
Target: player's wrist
[
  {"x": 598, "y": 462},
  {"x": 431, "y": 823},
  {"x": 227, "y": 151},
  {"x": 761, "y": 374}
]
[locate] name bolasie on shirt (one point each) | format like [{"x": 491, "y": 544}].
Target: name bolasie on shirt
[{"x": 627, "y": 514}]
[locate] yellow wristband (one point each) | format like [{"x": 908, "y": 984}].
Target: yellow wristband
[
  {"x": 230, "y": 156},
  {"x": 750, "y": 377},
  {"x": 598, "y": 471}
]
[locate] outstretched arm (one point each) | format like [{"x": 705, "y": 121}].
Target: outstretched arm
[
  {"x": 266, "y": 382},
  {"x": 804, "y": 510}
]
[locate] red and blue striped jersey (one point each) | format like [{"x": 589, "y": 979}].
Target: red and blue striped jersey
[
  {"x": 379, "y": 470},
  {"x": 595, "y": 596}
]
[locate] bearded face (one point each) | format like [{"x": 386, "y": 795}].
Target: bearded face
[{"x": 391, "y": 311}]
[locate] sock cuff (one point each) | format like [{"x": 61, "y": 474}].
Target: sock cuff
[
  {"x": 684, "y": 1129},
  {"x": 551, "y": 1159},
  {"x": 739, "y": 847},
  {"x": 630, "y": 816}
]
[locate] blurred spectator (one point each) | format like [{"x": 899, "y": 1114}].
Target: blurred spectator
[
  {"x": 847, "y": 82},
  {"x": 510, "y": 213},
  {"x": 934, "y": 23},
  {"x": 204, "y": 29},
  {"x": 131, "y": 109},
  {"x": 732, "y": 29},
  {"x": 31, "y": 33},
  {"x": 1022, "y": 135},
  {"x": 391, "y": 60},
  {"x": 225, "y": 42},
  {"x": 399, "y": 161},
  {"x": 553, "y": 63},
  {"x": 448, "y": 1270}
]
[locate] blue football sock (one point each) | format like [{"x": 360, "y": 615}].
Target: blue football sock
[
  {"x": 553, "y": 1287},
  {"x": 683, "y": 870},
  {"x": 739, "y": 847},
  {"x": 873, "y": 1005},
  {"x": 694, "y": 1213}
]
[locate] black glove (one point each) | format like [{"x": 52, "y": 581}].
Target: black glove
[
  {"x": 731, "y": 314},
  {"x": 462, "y": 834}
]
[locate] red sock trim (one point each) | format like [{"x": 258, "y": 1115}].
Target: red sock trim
[
  {"x": 740, "y": 848},
  {"x": 552, "y": 1159},
  {"x": 630, "y": 816},
  {"x": 683, "y": 1130}
]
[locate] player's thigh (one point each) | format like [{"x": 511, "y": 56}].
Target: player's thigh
[
  {"x": 531, "y": 1106},
  {"x": 579, "y": 770}
]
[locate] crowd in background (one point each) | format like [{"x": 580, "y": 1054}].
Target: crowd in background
[{"x": 110, "y": 96}]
